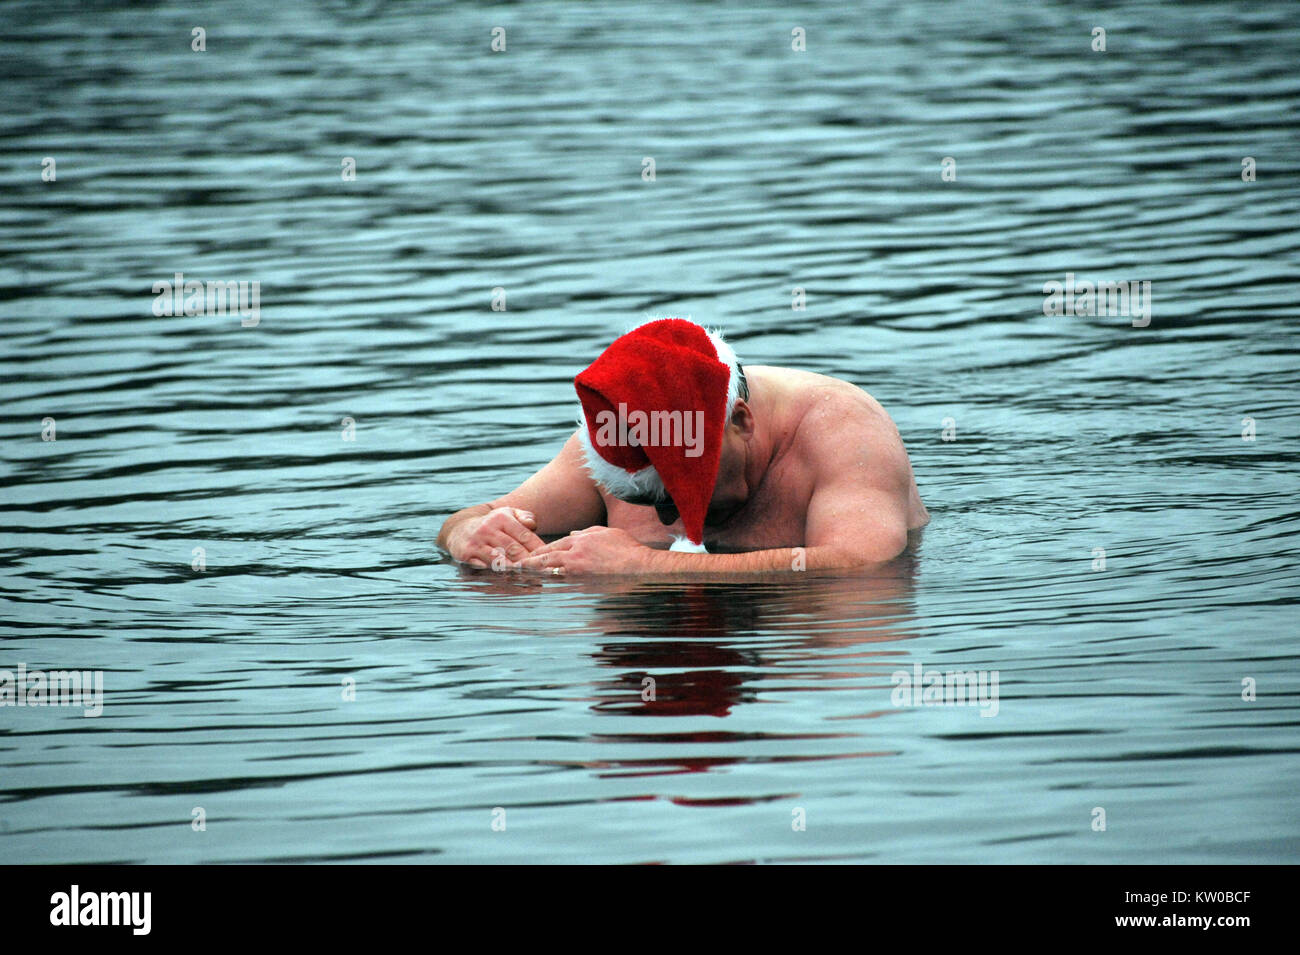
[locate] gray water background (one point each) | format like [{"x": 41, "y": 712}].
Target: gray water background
[{"x": 1120, "y": 688}]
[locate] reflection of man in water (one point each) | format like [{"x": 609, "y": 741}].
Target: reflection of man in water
[
  {"x": 707, "y": 647},
  {"x": 748, "y": 470}
]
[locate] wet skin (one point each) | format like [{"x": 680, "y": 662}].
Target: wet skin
[{"x": 808, "y": 462}]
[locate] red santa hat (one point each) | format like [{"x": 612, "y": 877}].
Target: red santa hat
[{"x": 654, "y": 406}]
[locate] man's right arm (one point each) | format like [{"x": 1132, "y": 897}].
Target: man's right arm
[{"x": 558, "y": 499}]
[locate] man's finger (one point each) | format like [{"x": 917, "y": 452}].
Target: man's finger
[
  {"x": 515, "y": 551},
  {"x": 503, "y": 531},
  {"x": 521, "y": 533},
  {"x": 564, "y": 543},
  {"x": 549, "y": 563},
  {"x": 513, "y": 523},
  {"x": 495, "y": 558},
  {"x": 510, "y": 545}
]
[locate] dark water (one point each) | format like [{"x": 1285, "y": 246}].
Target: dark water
[{"x": 1120, "y": 688}]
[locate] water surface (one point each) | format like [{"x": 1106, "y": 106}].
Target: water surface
[{"x": 1120, "y": 688}]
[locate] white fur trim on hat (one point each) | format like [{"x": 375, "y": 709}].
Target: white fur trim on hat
[
  {"x": 638, "y": 485},
  {"x": 728, "y": 357}
]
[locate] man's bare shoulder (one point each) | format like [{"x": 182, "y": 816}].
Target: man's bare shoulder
[
  {"x": 820, "y": 404},
  {"x": 836, "y": 424}
]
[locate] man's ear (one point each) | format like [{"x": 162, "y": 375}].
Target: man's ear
[{"x": 742, "y": 418}]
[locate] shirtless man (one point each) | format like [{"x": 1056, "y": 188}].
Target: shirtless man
[{"x": 810, "y": 473}]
